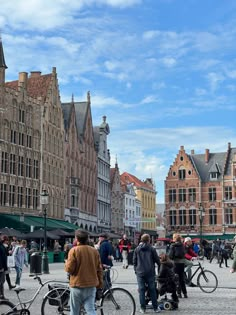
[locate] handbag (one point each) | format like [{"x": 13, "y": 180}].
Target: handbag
[{"x": 10, "y": 261}]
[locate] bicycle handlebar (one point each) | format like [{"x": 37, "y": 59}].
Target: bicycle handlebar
[{"x": 39, "y": 279}]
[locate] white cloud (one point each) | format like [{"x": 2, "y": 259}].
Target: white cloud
[
  {"x": 214, "y": 80},
  {"x": 168, "y": 61},
  {"x": 149, "y": 99}
]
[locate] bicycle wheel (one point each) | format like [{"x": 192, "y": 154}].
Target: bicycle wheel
[
  {"x": 7, "y": 308},
  {"x": 56, "y": 302},
  {"x": 113, "y": 275},
  {"x": 207, "y": 281},
  {"x": 117, "y": 301}
]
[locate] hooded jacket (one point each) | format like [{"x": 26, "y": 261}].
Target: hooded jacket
[
  {"x": 144, "y": 260},
  {"x": 177, "y": 252}
]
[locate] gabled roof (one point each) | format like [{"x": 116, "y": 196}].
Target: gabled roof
[
  {"x": 81, "y": 112},
  {"x": 232, "y": 153},
  {"x": 36, "y": 86},
  {"x": 215, "y": 164},
  {"x": 66, "y": 109},
  {"x": 127, "y": 178}
]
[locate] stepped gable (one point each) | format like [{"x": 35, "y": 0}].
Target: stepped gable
[
  {"x": 66, "y": 109},
  {"x": 37, "y": 86}
]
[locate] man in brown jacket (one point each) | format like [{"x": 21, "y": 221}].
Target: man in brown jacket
[{"x": 85, "y": 269}]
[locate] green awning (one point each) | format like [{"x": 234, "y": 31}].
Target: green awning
[
  {"x": 211, "y": 236},
  {"x": 24, "y": 223}
]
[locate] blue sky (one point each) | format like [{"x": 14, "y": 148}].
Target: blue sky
[{"x": 162, "y": 71}]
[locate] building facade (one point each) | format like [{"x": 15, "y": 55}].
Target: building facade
[
  {"x": 200, "y": 194},
  {"x": 81, "y": 165},
  {"x": 117, "y": 211},
  {"x": 103, "y": 177},
  {"x": 146, "y": 193}
]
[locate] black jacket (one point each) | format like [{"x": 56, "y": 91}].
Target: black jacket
[
  {"x": 3, "y": 257},
  {"x": 177, "y": 252},
  {"x": 144, "y": 260},
  {"x": 166, "y": 278}
]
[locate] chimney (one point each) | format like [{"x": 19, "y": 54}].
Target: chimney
[
  {"x": 181, "y": 148},
  {"x": 207, "y": 153},
  {"x": 192, "y": 152},
  {"x": 23, "y": 77},
  {"x": 34, "y": 74},
  {"x": 229, "y": 145}
]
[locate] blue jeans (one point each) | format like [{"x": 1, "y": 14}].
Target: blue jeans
[
  {"x": 150, "y": 281},
  {"x": 82, "y": 296},
  {"x": 18, "y": 274}
]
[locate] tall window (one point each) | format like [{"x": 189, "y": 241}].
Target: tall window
[
  {"x": 182, "y": 174},
  {"x": 35, "y": 198},
  {"x": 3, "y": 194},
  {"x": 12, "y": 191},
  {"x": 192, "y": 194},
  {"x": 13, "y": 136},
  {"x": 20, "y": 197},
  {"x": 192, "y": 217},
  {"x": 29, "y": 141},
  {"x": 21, "y": 166},
  {"x": 28, "y": 167},
  {"x": 36, "y": 169},
  {"x": 172, "y": 195},
  {"x": 74, "y": 196},
  {"x": 21, "y": 115},
  {"x": 172, "y": 217},
  {"x": 212, "y": 194},
  {"x": 4, "y": 162},
  {"x": 213, "y": 216},
  {"x": 228, "y": 216},
  {"x": 182, "y": 195},
  {"x": 12, "y": 164},
  {"x": 28, "y": 197},
  {"x": 182, "y": 217},
  {"x": 228, "y": 193},
  {"x": 21, "y": 138}
]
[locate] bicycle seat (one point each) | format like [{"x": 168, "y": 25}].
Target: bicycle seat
[{"x": 18, "y": 290}]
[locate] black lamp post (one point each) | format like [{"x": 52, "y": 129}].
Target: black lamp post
[
  {"x": 201, "y": 213},
  {"x": 44, "y": 203}
]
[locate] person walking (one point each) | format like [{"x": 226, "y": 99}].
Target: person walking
[
  {"x": 145, "y": 259},
  {"x": 5, "y": 243},
  {"x": 215, "y": 251},
  {"x": 85, "y": 269},
  {"x": 3, "y": 267},
  {"x": 177, "y": 254},
  {"x": 106, "y": 251},
  {"x": 124, "y": 246},
  {"x": 223, "y": 255},
  {"x": 21, "y": 259}
]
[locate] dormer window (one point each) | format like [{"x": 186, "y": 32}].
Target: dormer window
[{"x": 213, "y": 175}]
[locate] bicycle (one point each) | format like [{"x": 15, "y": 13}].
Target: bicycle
[
  {"x": 113, "y": 274},
  {"x": 58, "y": 295},
  {"x": 206, "y": 280},
  {"x": 113, "y": 300}
]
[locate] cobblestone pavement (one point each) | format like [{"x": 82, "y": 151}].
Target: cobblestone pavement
[{"x": 222, "y": 301}]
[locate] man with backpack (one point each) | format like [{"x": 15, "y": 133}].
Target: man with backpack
[{"x": 144, "y": 260}]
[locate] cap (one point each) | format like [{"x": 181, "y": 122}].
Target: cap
[{"x": 187, "y": 239}]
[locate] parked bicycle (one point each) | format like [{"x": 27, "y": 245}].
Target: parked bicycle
[
  {"x": 59, "y": 295},
  {"x": 206, "y": 280}
]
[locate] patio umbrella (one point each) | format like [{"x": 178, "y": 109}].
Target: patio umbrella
[
  {"x": 37, "y": 234},
  {"x": 60, "y": 232},
  {"x": 12, "y": 232}
]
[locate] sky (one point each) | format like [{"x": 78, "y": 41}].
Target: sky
[{"x": 163, "y": 72}]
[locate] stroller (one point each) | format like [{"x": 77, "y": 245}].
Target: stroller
[{"x": 168, "y": 285}]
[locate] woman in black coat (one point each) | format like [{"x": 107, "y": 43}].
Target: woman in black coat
[
  {"x": 167, "y": 278},
  {"x": 177, "y": 254}
]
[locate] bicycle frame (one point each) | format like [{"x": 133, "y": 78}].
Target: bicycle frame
[
  {"x": 196, "y": 271},
  {"x": 27, "y": 304}
]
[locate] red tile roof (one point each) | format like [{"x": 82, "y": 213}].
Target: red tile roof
[
  {"x": 127, "y": 178},
  {"x": 36, "y": 86}
]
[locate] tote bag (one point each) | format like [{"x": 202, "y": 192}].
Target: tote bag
[{"x": 10, "y": 261}]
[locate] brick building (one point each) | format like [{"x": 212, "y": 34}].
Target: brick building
[{"x": 204, "y": 182}]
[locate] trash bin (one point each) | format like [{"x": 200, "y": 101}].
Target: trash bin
[
  {"x": 36, "y": 264},
  {"x": 130, "y": 257}
]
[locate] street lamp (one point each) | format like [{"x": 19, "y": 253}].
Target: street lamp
[
  {"x": 201, "y": 213},
  {"x": 44, "y": 203}
]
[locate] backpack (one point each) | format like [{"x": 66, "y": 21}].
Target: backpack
[{"x": 179, "y": 251}]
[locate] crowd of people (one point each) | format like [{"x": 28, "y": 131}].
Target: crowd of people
[{"x": 157, "y": 273}]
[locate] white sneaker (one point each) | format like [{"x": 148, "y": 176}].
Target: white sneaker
[
  {"x": 158, "y": 310},
  {"x": 142, "y": 311}
]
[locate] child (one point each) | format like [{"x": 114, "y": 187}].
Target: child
[{"x": 167, "y": 278}]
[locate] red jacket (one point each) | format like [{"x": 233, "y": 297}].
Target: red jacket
[
  {"x": 189, "y": 253},
  {"x": 124, "y": 245}
]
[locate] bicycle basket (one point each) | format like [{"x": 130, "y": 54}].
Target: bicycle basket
[{"x": 58, "y": 296}]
